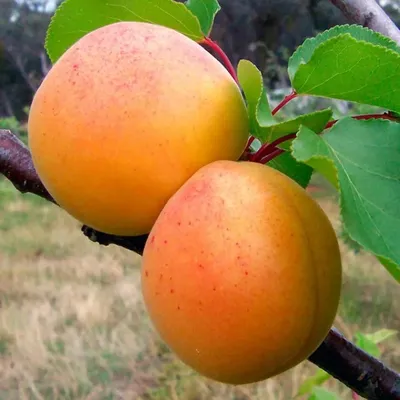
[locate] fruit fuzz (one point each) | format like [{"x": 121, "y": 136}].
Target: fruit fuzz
[
  {"x": 241, "y": 273},
  {"x": 125, "y": 117}
]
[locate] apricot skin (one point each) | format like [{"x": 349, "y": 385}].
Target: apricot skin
[
  {"x": 241, "y": 274},
  {"x": 125, "y": 117}
]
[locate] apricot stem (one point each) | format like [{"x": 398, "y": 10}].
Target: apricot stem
[{"x": 221, "y": 54}]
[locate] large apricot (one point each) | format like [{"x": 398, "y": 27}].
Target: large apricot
[
  {"x": 125, "y": 117},
  {"x": 241, "y": 274}
]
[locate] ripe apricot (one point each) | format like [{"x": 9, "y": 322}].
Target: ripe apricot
[
  {"x": 241, "y": 273},
  {"x": 125, "y": 116}
]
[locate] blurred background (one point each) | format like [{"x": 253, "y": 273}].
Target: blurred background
[{"x": 72, "y": 321}]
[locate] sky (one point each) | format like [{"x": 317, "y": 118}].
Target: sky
[
  {"x": 50, "y": 4},
  {"x": 395, "y": 3}
]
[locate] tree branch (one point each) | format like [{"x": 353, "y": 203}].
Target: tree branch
[
  {"x": 16, "y": 165},
  {"x": 361, "y": 372},
  {"x": 133, "y": 243},
  {"x": 358, "y": 370},
  {"x": 370, "y": 14}
]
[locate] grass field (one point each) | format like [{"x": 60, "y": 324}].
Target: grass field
[{"x": 73, "y": 325}]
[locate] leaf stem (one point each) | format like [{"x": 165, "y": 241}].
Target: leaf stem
[
  {"x": 224, "y": 58},
  {"x": 285, "y": 101},
  {"x": 268, "y": 151},
  {"x": 385, "y": 115},
  {"x": 267, "y": 148},
  {"x": 270, "y": 156}
]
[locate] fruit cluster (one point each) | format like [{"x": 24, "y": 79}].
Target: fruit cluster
[{"x": 137, "y": 129}]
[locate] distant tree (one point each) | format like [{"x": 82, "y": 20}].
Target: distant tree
[
  {"x": 268, "y": 31},
  {"x": 393, "y": 10},
  {"x": 263, "y": 31},
  {"x": 23, "y": 60}
]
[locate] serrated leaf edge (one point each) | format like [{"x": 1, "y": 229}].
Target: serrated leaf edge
[
  {"x": 343, "y": 223},
  {"x": 315, "y": 157},
  {"x": 50, "y": 30},
  {"x": 218, "y": 9},
  {"x": 261, "y": 92},
  {"x": 291, "y": 120},
  {"x": 65, "y": 4},
  {"x": 328, "y": 43},
  {"x": 328, "y": 32}
]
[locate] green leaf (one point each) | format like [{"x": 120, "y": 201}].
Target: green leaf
[
  {"x": 75, "y": 18},
  {"x": 348, "y": 69},
  {"x": 205, "y": 11},
  {"x": 394, "y": 269},
  {"x": 304, "y": 52},
  {"x": 381, "y": 335},
  {"x": 310, "y": 148},
  {"x": 364, "y": 156},
  {"x": 367, "y": 345},
  {"x": 251, "y": 81},
  {"x": 322, "y": 394},
  {"x": 315, "y": 121},
  {"x": 310, "y": 383},
  {"x": 299, "y": 172},
  {"x": 262, "y": 123}
]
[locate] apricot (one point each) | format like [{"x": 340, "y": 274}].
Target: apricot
[
  {"x": 241, "y": 273},
  {"x": 125, "y": 116}
]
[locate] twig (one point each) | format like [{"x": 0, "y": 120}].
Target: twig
[
  {"x": 16, "y": 165},
  {"x": 133, "y": 243},
  {"x": 358, "y": 370},
  {"x": 369, "y": 13},
  {"x": 364, "y": 374}
]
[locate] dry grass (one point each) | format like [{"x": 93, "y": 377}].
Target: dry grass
[{"x": 73, "y": 325}]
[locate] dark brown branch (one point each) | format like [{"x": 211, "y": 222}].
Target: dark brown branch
[
  {"x": 369, "y": 13},
  {"x": 361, "y": 372},
  {"x": 16, "y": 165},
  {"x": 134, "y": 243},
  {"x": 364, "y": 374}
]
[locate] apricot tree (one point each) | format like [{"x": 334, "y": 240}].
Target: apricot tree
[{"x": 357, "y": 154}]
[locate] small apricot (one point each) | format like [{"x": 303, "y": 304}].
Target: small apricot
[
  {"x": 125, "y": 116},
  {"x": 241, "y": 273}
]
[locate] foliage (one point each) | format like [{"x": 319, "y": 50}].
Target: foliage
[
  {"x": 23, "y": 61},
  {"x": 62, "y": 32},
  {"x": 357, "y": 169},
  {"x": 262, "y": 31},
  {"x": 356, "y": 155},
  {"x": 343, "y": 61}
]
